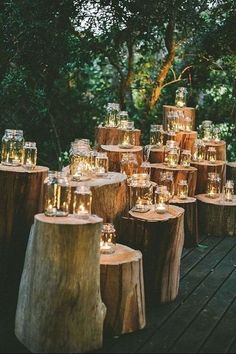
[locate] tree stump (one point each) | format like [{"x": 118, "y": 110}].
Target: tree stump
[
  {"x": 187, "y": 111},
  {"x": 220, "y": 149},
  {"x": 111, "y": 136},
  {"x": 59, "y": 306},
  {"x": 185, "y": 140},
  {"x": 157, "y": 155},
  {"x": 188, "y": 173},
  {"x": 160, "y": 238},
  {"x": 203, "y": 168},
  {"x": 190, "y": 220},
  {"x": 115, "y": 155},
  {"x": 216, "y": 217},
  {"x": 231, "y": 173},
  {"x": 122, "y": 290}
]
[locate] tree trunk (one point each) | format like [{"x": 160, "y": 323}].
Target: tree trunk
[{"x": 231, "y": 173}]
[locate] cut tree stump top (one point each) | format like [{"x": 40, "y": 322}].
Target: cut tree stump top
[
  {"x": 207, "y": 163},
  {"x": 183, "y": 201},
  {"x": 179, "y": 108},
  {"x": 20, "y": 169},
  {"x": 216, "y": 201},
  {"x": 152, "y": 216},
  {"x": 67, "y": 220},
  {"x": 163, "y": 166},
  {"x": 214, "y": 143},
  {"x": 112, "y": 178},
  {"x": 116, "y": 148},
  {"x": 122, "y": 254}
]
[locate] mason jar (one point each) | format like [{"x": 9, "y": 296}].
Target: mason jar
[
  {"x": 167, "y": 180},
  {"x": 199, "y": 150},
  {"x": 80, "y": 162},
  {"x": 213, "y": 185},
  {"x": 161, "y": 199},
  {"x": 185, "y": 158},
  {"x": 129, "y": 164},
  {"x": 141, "y": 192},
  {"x": 101, "y": 164},
  {"x": 108, "y": 239},
  {"x": 180, "y": 97},
  {"x": 29, "y": 155},
  {"x": 156, "y": 135},
  {"x": 112, "y": 115},
  {"x": 182, "y": 189},
  {"x": 82, "y": 203},
  {"x": 12, "y": 147}
]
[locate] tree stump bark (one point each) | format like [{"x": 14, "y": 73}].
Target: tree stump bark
[
  {"x": 231, "y": 173},
  {"x": 220, "y": 149},
  {"x": 115, "y": 155},
  {"x": 203, "y": 168},
  {"x": 157, "y": 155},
  {"x": 188, "y": 173},
  {"x": 122, "y": 290},
  {"x": 111, "y": 136},
  {"x": 160, "y": 238},
  {"x": 190, "y": 220},
  {"x": 59, "y": 305},
  {"x": 187, "y": 111},
  {"x": 216, "y": 217}
]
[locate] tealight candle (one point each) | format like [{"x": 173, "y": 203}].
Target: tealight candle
[
  {"x": 182, "y": 189},
  {"x": 82, "y": 202},
  {"x": 213, "y": 185},
  {"x": 211, "y": 155},
  {"x": 161, "y": 199},
  {"x": 29, "y": 155},
  {"x": 229, "y": 191}
]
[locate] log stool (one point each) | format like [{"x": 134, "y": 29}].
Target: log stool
[
  {"x": 157, "y": 155},
  {"x": 203, "y": 168},
  {"x": 231, "y": 172},
  {"x": 111, "y": 136},
  {"x": 160, "y": 238},
  {"x": 114, "y": 153},
  {"x": 187, "y": 111},
  {"x": 216, "y": 216},
  {"x": 190, "y": 220},
  {"x": 179, "y": 172},
  {"x": 59, "y": 306},
  {"x": 122, "y": 290},
  {"x": 220, "y": 149}
]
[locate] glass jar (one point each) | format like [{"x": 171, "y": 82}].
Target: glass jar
[
  {"x": 211, "y": 154},
  {"x": 172, "y": 158},
  {"x": 172, "y": 121},
  {"x": 156, "y": 135},
  {"x": 127, "y": 139},
  {"x": 101, "y": 164},
  {"x": 108, "y": 239},
  {"x": 187, "y": 126},
  {"x": 180, "y": 120},
  {"x": 12, "y": 147},
  {"x": 170, "y": 144},
  {"x": 167, "y": 180},
  {"x": 161, "y": 199},
  {"x": 185, "y": 158},
  {"x": 229, "y": 191},
  {"x": 82, "y": 203},
  {"x": 57, "y": 194},
  {"x": 29, "y": 155},
  {"x": 216, "y": 134},
  {"x": 112, "y": 116},
  {"x": 129, "y": 164},
  {"x": 199, "y": 150},
  {"x": 123, "y": 119},
  {"x": 207, "y": 130},
  {"x": 171, "y": 136},
  {"x": 141, "y": 192},
  {"x": 182, "y": 189},
  {"x": 213, "y": 185},
  {"x": 180, "y": 97},
  {"x": 80, "y": 163}
]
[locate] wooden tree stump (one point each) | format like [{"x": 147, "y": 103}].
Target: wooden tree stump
[
  {"x": 203, "y": 168},
  {"x": 122, "y": 290},
  {"x": 190, "y": 220},
  {"x": 188, "y": 173},
  {"x": 111, "y": 136},
  {"x": 115, "y": 155},
  {"x": 185, "y": 140},
  {"x": 160, "y": 238},
  {"x": 157, "y": 155},
  {"x": 59, "y": 305},
  {"x": 216, "y": 217},
  {"x": 231, "y": 173},
  {"x": 187, "y": 111},
  {"x": 220, "y": 149}
]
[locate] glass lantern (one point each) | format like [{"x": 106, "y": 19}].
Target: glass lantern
[
  {"x": 161, "y": 199},
  {"x": 167, "y": 180},
  {"x": 29, "y": 155},
  {"x": 185, "y": 158},
  {"x": 112, "y": 116},
  {"x": 213, "y": 185},
  {"x": 141, "y": 192},
  {"x": 101, "y": 164},
  {"x": 57, "y": 194},
  {"x": 123, "y": 118},
  {"x": 172, "y": 158},
  {"x": 156, "y": 135},
  {"x": 82, "y": 203},
  {"x": 182, "y": 189},
  {"x": 229, "y": 191},
  {"x": 108, "y": 239},
  {"x": 187, "y": 126},
  {"x": 199, "y": 147},
  {"x": 12, "y": 147},
  {"x": 129, "y": 164},
  {"x": 180, "y": 97},
  {"x": 211, "y": 154}
]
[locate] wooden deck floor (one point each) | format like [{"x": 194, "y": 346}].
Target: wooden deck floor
[{"x": 201, "y": 320}]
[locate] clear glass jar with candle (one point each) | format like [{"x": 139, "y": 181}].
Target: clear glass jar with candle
[
  {"x": 141, "y": 192},
  {"x": 180, "y": 97},
  {"x": 229, "y": 191},
  {"x": 108, "y": 239},
  {"x": 216, "y": 134},
  {"x": 112, "y": 116},
  {"x": 80, "y": 162},
  {"x": 172, "y": 158},
  {"x": 199, "y": 150},
  {"x": 82, "y": 203},
  {"x": 170, "y": 144},
  {"x": 12, "y": 147},
  {"x": 156, "y": 135},
  {"x": 129, "y": 164},
  {"x": 213, "y": 185},
  {"x": 207, "y": 130},
  {"x": 29, "y": 155},
  {"x": 101, "y": 164},
  {"x": 167, "y": 180},
  {"x": 127, "y": 139},
  {"x": 185, "y": 158},
  {"x": 161, "y": 199},
  {"x": 172, "y": 121},
  {"x": 182, "y": 189},
  {"x": 57, "y": 194},
  {"x": 211, "y": 154},
  {"x": 123, "y": 120},
  {"x": 187, "y": 126},
  {"x": 180, "y": 120}
]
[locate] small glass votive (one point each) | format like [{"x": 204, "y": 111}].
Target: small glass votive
[
  {"x": 108, "y": 239},
  {"x": 161, "y": 199},
  {"x": 182, "y": 189},
  {"x": 101, "y": 164},
  {"x": 211, "y": 154},
  {"x": 185, "y": 158},
  {"x": 172, "y": 158},
  {"x": 82, "y": 203},
  {"x": 213, "y": 185},
  {"x": 229, "y": 191},
  {"x": 29, "y": 155}
]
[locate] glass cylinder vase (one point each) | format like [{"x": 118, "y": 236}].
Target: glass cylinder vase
[
  {"x": 229, "y": 191},
  {"x": 141, "y": 192},
  {"x": 161, "y": 199},
  {"x": 108, "y": 239},
  {"x": 101, "y": 164},
  {"x": 82, "y": 203},
  {"x": 29, "y": 155},
  {"x": 213, "y": 185},
  {"x": 182, "y": 189}
]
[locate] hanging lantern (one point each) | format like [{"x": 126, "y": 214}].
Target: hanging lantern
[{"x": 108, "y": 239}]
